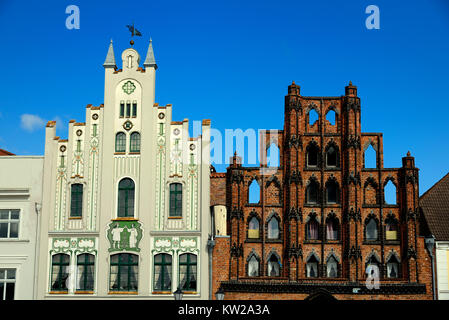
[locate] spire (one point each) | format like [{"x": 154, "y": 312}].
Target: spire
[
  {"x": 110, "y": 58},
  {"x": 150, "y": 61}
]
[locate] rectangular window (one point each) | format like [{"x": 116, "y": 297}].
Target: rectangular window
[
  {"x": 128, "y": 109},
  {"x": 122, "y": 109},
  {"x": 134, "y": 113},
  {"x": 86, "y": 272},
  {"x": 76, "y": 204},
  {"x": 7, "y": 284},
  {"x": 9, "y": 223},
  {"x": 175, "y": 200}
]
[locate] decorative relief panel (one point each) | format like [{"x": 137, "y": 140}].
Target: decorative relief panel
[{"x": 124, "y": 235}]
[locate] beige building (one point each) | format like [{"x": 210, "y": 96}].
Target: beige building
[
  {"x": 125, "y": 209},
  {"x": 20, "y": 205}
]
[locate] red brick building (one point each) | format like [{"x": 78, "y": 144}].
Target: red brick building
[{"x": 321, "y": 221}]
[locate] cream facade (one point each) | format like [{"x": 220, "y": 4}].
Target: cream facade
[
  {"x": 125, "y": 209},
  {"x": 442, "y": 269},
  {"x": 20, "y": 206}
]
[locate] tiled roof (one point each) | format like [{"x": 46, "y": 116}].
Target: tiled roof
[
  {"x": 435, "y": 206},
  {"x": 6, "y": 153}
]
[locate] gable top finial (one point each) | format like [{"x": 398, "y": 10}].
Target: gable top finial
[
  {"x": 149, "y": 60},
  {"x": 110, "y": 57}
]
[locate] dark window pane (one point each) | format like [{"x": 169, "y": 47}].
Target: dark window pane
[
  {"x": 15, "y": 214},
  {"x": 4, "y": 214},
  {"x": 3, "y": 230},
  {"x": 11, "y": 274},
  {"x": 2, "y": 290},
  {"x": 122, "y": 110}
]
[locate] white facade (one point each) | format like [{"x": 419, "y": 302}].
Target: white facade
[
  {"x": 20, "y": 203},
  {"x": 110, "y": 197},
  {"x": 442, "y": 269}
]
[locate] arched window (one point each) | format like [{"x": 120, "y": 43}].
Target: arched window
[
  {"x": 313, "y": 117},
  {"x": 253, "y": 266},
  {"x": 124, "y": 273},
  {"x": 273, "y": 156},
  {"x": 312, "y": 267},
  {"x": 391, "y": 229},
  {"x": 393, "y": 267},
  {"x": 371, "y": 230},
  {"x": 162, "y": 272},
  {"x": 254, "y": 192},
  {"x": 134, "y": 145},
  {"x": 59, "y": 272},
  {"x": 373, "y": 267},
  {"x": 332, "y": 267},
  {"x": 312, "y": 155},
  {"x": 390, "y": 193},
  {"x": 76, "y": 200},
  {"x": 273, "y": 228},
  {"x": 126, "y": 193},
  {"x": 312, "y": 227},
  {"x": 120, "y": 142},
  {"x": 85, "y": 272},
  {"x": 188, "y": 271},
  {"x": 370, "y": 157},
  {"x": 253, "y": 228},
  {"x": 312, "y": 192},
  {"x": 175, "y": 200},
  {"x": 331, "y": 157},
  {"x": 332, "y": 192},
  {"x": 332, "y": 228},
  {"x": 274, "y": 269},
  {"x": 331, "y": 117}
]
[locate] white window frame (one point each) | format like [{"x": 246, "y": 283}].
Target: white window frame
[
  {"x": 5, "y": 280},
  {"x": 9, "y": 221}
]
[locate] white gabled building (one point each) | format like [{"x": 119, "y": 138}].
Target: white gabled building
[
  {"x": 20, "y": 204},
  {"x": 125, "y": 209}
]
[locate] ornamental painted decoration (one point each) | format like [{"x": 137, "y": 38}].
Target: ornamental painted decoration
[
  {"x": 124, "y": 235},
  {"x": 128, "y": 125},
  {"x": 128, "y": 87}
]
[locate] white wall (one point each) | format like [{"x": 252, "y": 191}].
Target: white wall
[
  {"x": 21, "y": 188},
  {"x": 442, "y": 269}
]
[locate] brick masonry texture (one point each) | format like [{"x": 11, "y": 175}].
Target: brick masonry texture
[{"x": 287, "y": 194}]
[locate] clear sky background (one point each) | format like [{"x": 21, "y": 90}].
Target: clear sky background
[{"x": 231, "y": 61}]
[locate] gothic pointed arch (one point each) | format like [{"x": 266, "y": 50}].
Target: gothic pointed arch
[
  {"x": 312, "y": 227},
  {"x": 254, "y": 225},
  {"x": 371, "y": 227},
  {"x": 273, "y": 226},
  {"x": 313, "y": 193},
  {"x": 253, "y": 264},
  {"x": 313, "y": 155},
  {"x": 370, "y": 191},
  {"x": 332, "y": 152},
  {"x": 332, "y": 227},
  {"x": 332, "y": 190},
  {"x": 274, "y": 265}
]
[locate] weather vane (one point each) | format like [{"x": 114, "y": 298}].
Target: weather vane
[{"x": 134, "y": 32}]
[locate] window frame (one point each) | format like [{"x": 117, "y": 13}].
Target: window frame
[
  {"x": 7, "y": 280},
  {"x": 129, "y": 209},
  {"x": 84, "y": 264},
  {"x": 129, "y": 263},
  {"x": 120, "y": 145},
  {"x": 134, "y": 142},
  {"x": 175, "y": 211},
  {"x": 10, "y": 221},
  {"x": 78, "y": 211},
  {"x": 163, "y": 263},
  {"x": 188, "y": 265},
  {"x": 62, "y": 276}
]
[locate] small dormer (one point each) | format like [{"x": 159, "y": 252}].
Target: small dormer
[{"x": 130, "y": 59}]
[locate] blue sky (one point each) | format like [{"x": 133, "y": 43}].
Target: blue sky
[{"x": 231, "y": 61}]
